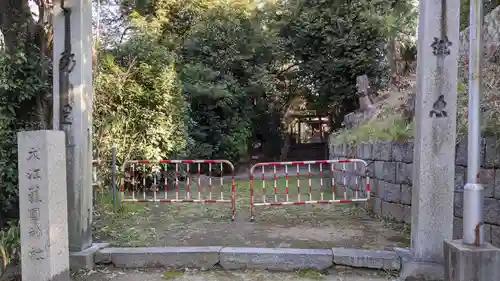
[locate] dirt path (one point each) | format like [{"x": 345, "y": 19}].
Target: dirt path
[
  {"x": 340, "y": 274},
  {"x": 292, "y": 226}
]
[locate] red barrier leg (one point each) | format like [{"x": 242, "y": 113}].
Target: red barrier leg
[
  {"x": 332, "y": 168},
  {"x": 263, "y": 178},
  {"x": 252, "y": 207},
  {"x": 176, "y": 181},
  {"x": 286, "y": 183},
  {"x": 345, "y": 181},
  {"x": 321, "y": 187},
  {"x": 188, "y": 191},
  {"x": 210, "y": 180},
  {"x": 233, "y": 197},
  {"x": 144, "y": 182},
  {"x": 133, "y": 182},
  {"x": 298, "y": 182},
  {"x": 221, "y": 181},
  {"x": 154, "y": 186},
  {"x": 166, "y": 181},
  {"x": 199, "y": 183},
  {"x": 275, "y": 184},
  {"x": 356, "y": 180},
  {"x": 310, "y": 181}
]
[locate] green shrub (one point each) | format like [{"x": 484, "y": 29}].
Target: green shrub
[{"x": 9, "y": 245}]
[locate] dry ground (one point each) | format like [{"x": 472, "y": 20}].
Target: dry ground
[
  {"x": 338, "y": 274},
  {"x": 295, "y": 226}
]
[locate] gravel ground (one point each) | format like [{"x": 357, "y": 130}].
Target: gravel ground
[{"x": 337, "y": 274}]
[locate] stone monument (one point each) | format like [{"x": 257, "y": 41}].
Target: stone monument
[
  {"x": 366, "y": 106},
  {"x": 363, "y": 93},
  {"x": 72, "y": 100},
  {"x": 43, "y": 206},
  {"x": 435, "y": 137}
]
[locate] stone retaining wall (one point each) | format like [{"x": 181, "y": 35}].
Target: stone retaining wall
[{"x": 391, "y": 168}]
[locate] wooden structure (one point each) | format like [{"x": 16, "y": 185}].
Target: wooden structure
[{"x": 308, "y": 127}]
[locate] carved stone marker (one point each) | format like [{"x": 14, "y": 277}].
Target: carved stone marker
[
  {"x": 43, "y": 206},
  {"x": 435, "y": 135},
  {"x": 363, "y": 88},
  {"x": 72, "y": 101}
]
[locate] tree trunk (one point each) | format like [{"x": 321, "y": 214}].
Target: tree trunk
[
  {"x": 23, "y": 34},
  {"x": 16, "y": 24}
]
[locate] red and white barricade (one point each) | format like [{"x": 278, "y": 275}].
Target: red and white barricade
[
  {"x": 153, "y": 181},
  {"x": 346, "y": 176}
]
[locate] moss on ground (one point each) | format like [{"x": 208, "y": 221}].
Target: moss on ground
[
  {"x": 310, "y": 274},
  {"x": 172, "y": 274}
]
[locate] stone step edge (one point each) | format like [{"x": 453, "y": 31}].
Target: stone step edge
[{"x": 241, "y": 258}]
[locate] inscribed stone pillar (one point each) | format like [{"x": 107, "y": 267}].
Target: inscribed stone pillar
[
  {"x": 435, "y": 129},
  {"x": 43, "y": 206},
  {"x": 73, "y": 102}
]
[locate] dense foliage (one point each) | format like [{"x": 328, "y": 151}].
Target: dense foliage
[
  {"x": 332, "y": 42},
  {"x": 138, "y": 103}
]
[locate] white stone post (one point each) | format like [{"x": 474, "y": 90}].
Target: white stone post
[
  {"x": 73, "y": 110},
  {"x": 43, "y": 206},
  {"x": 435, "y": 137}
]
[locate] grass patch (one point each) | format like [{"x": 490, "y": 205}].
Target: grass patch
[
  {"x": 172, "y": 274},
  {"x": 389, "y": 122},
  {"x": 310, "y": 274},
  {"x": 110, "y": 225},
  {"x": 391, "y": 128}
]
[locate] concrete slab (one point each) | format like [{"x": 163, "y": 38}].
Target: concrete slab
[
  {"x": 387, "y": 260},
  {"x": 282, "y": 259},
  {"x": 465, "y": 263},
  {"x": 85, "y": 259},
  {"x": 151, "y": 257}
]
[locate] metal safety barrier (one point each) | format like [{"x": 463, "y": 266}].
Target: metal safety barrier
[
  {"x": 146, "y": 178},
  {"x": 355, "y": 183}
]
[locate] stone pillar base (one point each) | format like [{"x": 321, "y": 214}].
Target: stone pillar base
[
  {"x": 413, "y": 270},
  {"x": 421, "y": 271},
  {"x": 465, "y": 263},
  {"x": 85, "y": 259}
]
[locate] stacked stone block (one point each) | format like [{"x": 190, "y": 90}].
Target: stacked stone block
[{"x": 391, "y": 167}]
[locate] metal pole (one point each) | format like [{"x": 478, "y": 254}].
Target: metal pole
[
  {"x": 473, "y": 229},
  {"x": 113, "y": 174},
  {"x": 98, "y": 24}
]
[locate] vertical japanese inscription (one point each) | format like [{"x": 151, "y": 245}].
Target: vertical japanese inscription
[
  {"x": 34, "y": 198},
  {"x": 67, "y": 63},
  {"x": 440, "y": 46},
  {"x": 439, "y": 108}
]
